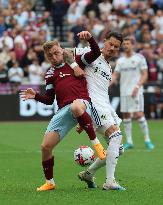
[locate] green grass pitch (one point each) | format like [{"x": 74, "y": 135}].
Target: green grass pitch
[{"x": 139, "y": 170}]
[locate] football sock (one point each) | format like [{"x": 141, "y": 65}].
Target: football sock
[
  {"x": 158, "y": 111},
  {"x": 95, "y": 141},
  {"x": 48, "y": 168},
  {"x": 85, "y": 122},
  {"x": 144, "y": 127},
  {"x": 96, "y": 165},
  {"x": 128, "y": 130},
  {"x": 112, "y": 155}
]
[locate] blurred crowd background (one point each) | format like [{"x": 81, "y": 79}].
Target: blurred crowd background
[{"x": 26, "y": 25}]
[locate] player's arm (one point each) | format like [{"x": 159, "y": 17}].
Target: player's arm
[
  {"x": 46, "y": 98},
  {"x": 142, "y": 80},
  {"x": 144, "y": 75},
  {"x": 115, "y": 77},
  {"x": 90, "y": 56},
  {"x": 70, "y": 60}
]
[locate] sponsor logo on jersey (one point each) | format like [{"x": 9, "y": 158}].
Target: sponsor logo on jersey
[{"x": 102, "y": 73}]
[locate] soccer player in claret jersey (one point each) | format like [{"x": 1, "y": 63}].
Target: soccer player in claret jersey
[
  {"x": 133, "y": 72},
  {"x": 98, "y": 75},
  {"x": 73, "y": 102}
]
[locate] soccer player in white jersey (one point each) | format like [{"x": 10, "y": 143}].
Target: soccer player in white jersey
[
  {"x": 98, "y": 75},
  {"x": 132, "y": 70}
]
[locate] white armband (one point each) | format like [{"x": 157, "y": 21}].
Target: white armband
[{"x": 73, "y": 65}]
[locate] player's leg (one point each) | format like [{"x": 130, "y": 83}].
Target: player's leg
[
  {"x": 88, "y": 175},
  {"x": 79, "y": 109},
  {"x": 57, "y": 129},
  {"x": 144, "y": 127},
  {"x": 127, "y": 121},
  {"x": 113, "y": 137},
  {"x": 51, "y": 139}
]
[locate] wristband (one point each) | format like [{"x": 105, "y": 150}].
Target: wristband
[{"x": 73, "y": 65}]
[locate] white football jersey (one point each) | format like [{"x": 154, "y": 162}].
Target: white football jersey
[
  {"x": 98, "y": 75},
  {"x": 130, "y": 72}
]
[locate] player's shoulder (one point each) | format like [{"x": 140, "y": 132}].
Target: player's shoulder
[
  {"x": 121, "y": 59},
  {"x": 50, "y": 73},
  {"x": 139, "y": 56}
]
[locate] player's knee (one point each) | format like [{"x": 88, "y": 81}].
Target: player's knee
[
  {"x": 76, "y": 108},
  {"x": 111, "y": 130},
  {"x": 46, "y": 148},
  {"x": 114, "y": 138},
  {"x": 138, "y": 115}
]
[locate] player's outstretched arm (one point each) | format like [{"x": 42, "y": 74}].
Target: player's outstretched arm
[
  {"x": 27, "y": 94},
  {"x": 95, "y": 52},
  {"x": 47, "y": 98}
]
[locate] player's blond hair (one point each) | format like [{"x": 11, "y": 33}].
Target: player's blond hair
[{"x": 49, "y": 44}]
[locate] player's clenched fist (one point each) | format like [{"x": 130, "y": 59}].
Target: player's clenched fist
[
  {"x": 27, "y": 94},
  {"x": 85, "y": 35}
]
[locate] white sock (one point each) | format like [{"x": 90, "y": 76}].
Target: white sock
[
  {"x": 153, "y": 115},
  {"x": 112, "y": 155},
  {"x": 144, "y": 126},
  {"x": 96, "y": 165},
  {"x": 158, "y": 110},
  {"x": 95, "y": 141},
  {"x": 128, "y": 130},
  {"x": 50, "y": 181}
]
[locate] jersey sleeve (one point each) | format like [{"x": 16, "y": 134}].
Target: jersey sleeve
[
  {"x": 143, "y": 63},
  {"x": 48, "y": 97},
  {"x": 90, "y": 56}
]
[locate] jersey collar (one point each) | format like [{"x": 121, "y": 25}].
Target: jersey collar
[{"x": 61, "y": 65}]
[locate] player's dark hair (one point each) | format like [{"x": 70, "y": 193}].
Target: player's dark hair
[
  {"x": 116, "y": 35},
  {"x": 129, "y": 38}
]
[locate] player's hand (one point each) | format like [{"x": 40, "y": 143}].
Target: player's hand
[
  {"x": 135, "y": 91},
  {"x": 78, "y": 72},
  {"x": 79, "y": 129},
  {"x": 85, "y": 35},
  {"x": 28, "y": 94},
  {"x": 68, "y": 56}
]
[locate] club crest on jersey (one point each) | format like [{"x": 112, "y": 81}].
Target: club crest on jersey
[
  {"x": 50, "y": 73},
  {"x": 62, "y": 75}
]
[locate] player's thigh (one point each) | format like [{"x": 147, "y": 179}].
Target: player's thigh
[
  {"x": 138, "y": 115},
  {"x": 79, "y": 106},
  {"x": 62, "y": 122},
  {"x": 108, "y": 127}
]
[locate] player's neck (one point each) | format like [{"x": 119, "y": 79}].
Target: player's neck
[
  {"x": 61, "y": 65},
  {"x": 129, "y": 54}
]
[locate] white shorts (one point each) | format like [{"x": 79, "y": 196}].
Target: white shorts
[
  {"x": 104, "y": 117},
  {"x": 130, "y": 104}
]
